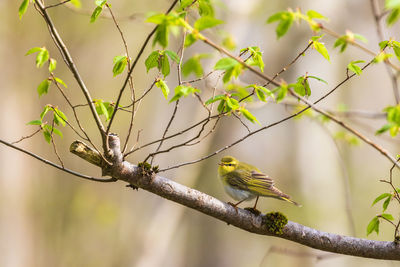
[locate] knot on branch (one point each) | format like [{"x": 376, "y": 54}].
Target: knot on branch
[{"x": 275, "y": 222}]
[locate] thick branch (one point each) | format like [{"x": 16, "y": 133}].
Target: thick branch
[{"x": 243, "y": 219}]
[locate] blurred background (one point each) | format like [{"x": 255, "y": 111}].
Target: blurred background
[{"x": 50, "y": 218}]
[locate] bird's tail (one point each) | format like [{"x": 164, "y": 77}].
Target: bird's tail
[{"x": 291, "y": 201}]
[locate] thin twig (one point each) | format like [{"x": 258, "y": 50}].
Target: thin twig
[
  {"x": 58, "y": 166},
  {"x": 58, "y": 4},
  {"x": 28, "y": 136}
]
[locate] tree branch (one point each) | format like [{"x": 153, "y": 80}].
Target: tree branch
[{"x": 243, "y": 219}]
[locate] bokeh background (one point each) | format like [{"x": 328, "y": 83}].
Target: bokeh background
[{"x": 49, "y": 218}]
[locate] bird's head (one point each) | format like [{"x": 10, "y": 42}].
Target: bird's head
[{"x": 227, "y": 164}]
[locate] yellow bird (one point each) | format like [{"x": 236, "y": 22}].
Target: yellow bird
[{"x": 243, "y": 181}]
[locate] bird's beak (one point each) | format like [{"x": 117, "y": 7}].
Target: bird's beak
[{"x": 220, "y": 164}]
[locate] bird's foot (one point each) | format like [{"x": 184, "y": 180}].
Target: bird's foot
[{"x": 253, "y": 210}]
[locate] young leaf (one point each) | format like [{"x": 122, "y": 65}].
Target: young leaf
[
  {"x": 172, "y": 55},
  {"x": 33, "y": 50},
  {"x": 393, "y": 16},
  {"x": 354, "y": 68},
  {"x": 42, "y": 57},
  {"x": 387, "y": 216},
  {"x": 96, "y": 13},
  {"x": 52, "y": 64},
  {"x": 225, "y": 64},
  {"x": 320, "y": 47},
  {"x": 120, "y": 63},
  {"x": 232, "y": 103},
  {"x": 183, "y": 90},
  {"x": 249, "y": 116},
  {"x": 164, "y": 87},
  {"x": 35, "y": 122},
  {"x": 282, "y": 92},
  {"x": 43, "y": 87},
  {"x": 386, "y": 203},
  {"x": 165, "y": 69},
  {"x": 47, "y": 136},
  {"x": 76, "y": 3},
  {"x": 22, "y": 8},
  {"x": 260, "y": 94},
  {"x": 315, "y": 15},
  {"x": 44, "y": 112},
  {"x": 185, "y": 3},
  {"x": 285, "y": 19},
  {"x": 373, "y": 226},
  {"x": 215, "y": 99},
  {"x": 58, "y": 80},
  {"x": 152, "y": 60},
  {"x": 206, "y": 22},
  {"x": 380, "y": 197}
]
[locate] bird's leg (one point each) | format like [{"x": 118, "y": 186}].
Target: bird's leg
[
  {"x": 253, "y": 209},
  {"x": 235, "y": 205}
]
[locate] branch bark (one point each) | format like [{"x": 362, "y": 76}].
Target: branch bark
[{"x": 239, "y": 218}]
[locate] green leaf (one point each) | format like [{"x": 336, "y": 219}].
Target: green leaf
[
  {"x": 285, "y": 19},
  {"x": 43, "y": 87},
  {"x": 384, "y": 128},
  {"x": 58, "y": 80},
  {"x": 342, "y": 43},
  {"x": 165, "y": 69},
  {"x": 164, "y": 88},
  {"x": 225, "y": 63},
  {"x": 354, "y": 68},
  {"x": 35, "y": 122},
  {"x": 266, "y": 91},
  {"x": 44, "y": 112},
  {"x": 185, "y": 3},
  {"x": 47, "y": 136},
  {"x": 193, "y": 65},
  {"x": 260, "y": 94},
  {"x": 205, "y": 8},
  {"x": 96, "y": 13},
  {"x": 152, "y": 60},
  {"x": 396, "y": 50},
  {"x": 52, "y": 64},
  {"x": 315, "y": 15},
  {"x": 249, "y": 116},
  {"x": 76, "y": 3},
  {"x": 381, "y": 57},
  {"x": 172, "y": 55},
  {"x": 215, "y": 99},
  {"x": 183, "y": 90},
  {"x": 380, "y": 197},
  {"x": 282, "y": 92},
  {"x": 22, "y": 8},
  {"x": 42, "y": 57},
  {"x": 104, "y": 110},
  {"x": 320, "y": 79},
  {"x": 387, "y": 216},
  {"x": 386, "y": 203},
  {"x": 120, "y": 63},
  {"x": 59, "y": 117},
  {"x": 206, "y": 22},
  {"x": 389, "y": 4},
  {"x": 373, "y": 226},
  {"x": 320, "y": 47},
  {"x": 33, "y": 50},
  {"x": 394, "y": 16}
]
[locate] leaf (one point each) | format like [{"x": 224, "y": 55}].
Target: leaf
[
  {"x": 393, "y": 16},
  {"x": 35, "y": 122},
  {"x": 161, "y": 35},
  {"x": 384, "y": 128},
  {"x": 380, "y": 197},
  {"x": 206, "y": 22},
  {"x": 60, "y": 116},
  {"x": 152, "y": 60},
  {"x": 42, "y": 57},
  {"x": 225, "y": 63},
  {"x": 120, "y": 63},
  {"x": 43, "y": 87},
  {"x": 183, "y": 90},
  {"x": 249, "y": 116},
  {"x": 260, "y": 94},
  {"x": 320, "y": 47},
  {"x": 396, "y": 50},
  {"x": 282, "y": 92},
  {"x": 165, "y": 69},
  {"x": 319, "y": 79},
  {"x": 215, "y": 99},
  {"x": 58, "y": 80},
  {"x": 221, "y": 106},
  {"x": 172, "y": 55},
  {"x": 285, "y": 19},
  {"x": 44, "y": 112},
  {"x": 52, "y": 64},
  {"x": 33, "y": 50},
  {"x": 373, "y": 226},
  {"x": 185, "y": 3},
  {"x": 354, "y": 68},
  {"x": 386, "y": 203},
  {"x": 76, "y": 3},
  {"x": 104, "y": 110},
  {"x": 22, "y": 8},
  {"x": 205, "y": 8},
  {"x": 164, "y": 88},
  {"x": 387, "y": 216},
  {"x": 96, "y": 13},
  {"x": 192, "y": 65},
  {"x": 315, "y": 15},
  {"x": 190, "y": 39},
  {"x": 47, "y": 136},
  {"x": 389, "y": 4}
]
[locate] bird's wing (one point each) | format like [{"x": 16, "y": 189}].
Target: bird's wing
[
  {"x": 261, "y": 179},
  {"x": 239, "y": 179}
]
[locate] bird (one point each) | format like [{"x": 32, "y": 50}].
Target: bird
[{"x": 245, "y": 182}]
